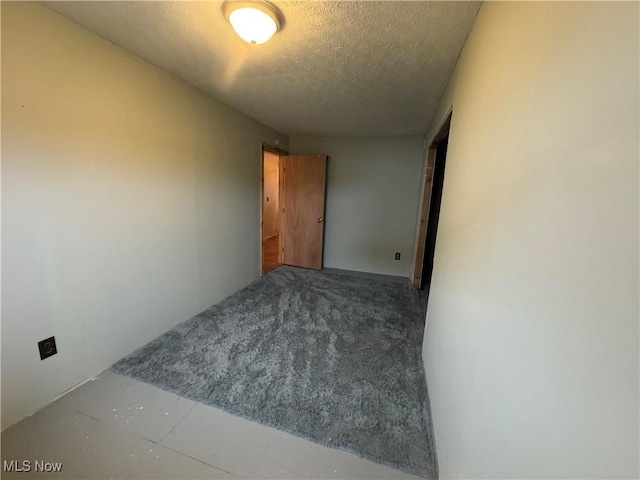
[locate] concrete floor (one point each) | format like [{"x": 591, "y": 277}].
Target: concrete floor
[{"x": 117, "y": 427}]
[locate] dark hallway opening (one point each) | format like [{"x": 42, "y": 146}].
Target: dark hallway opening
[{"x": 434, "y": 216}]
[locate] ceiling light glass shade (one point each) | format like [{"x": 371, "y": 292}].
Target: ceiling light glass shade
[{"x": 253, "y": 25}]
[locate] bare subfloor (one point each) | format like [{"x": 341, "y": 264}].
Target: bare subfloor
[{"x": 117, "y": 427}]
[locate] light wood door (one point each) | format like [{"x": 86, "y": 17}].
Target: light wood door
[{"x": 304, "y": 184}]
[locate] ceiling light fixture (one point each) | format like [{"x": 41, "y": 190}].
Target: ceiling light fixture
[{"x": 254, "y": 21}]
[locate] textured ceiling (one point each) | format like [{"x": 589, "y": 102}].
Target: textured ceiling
[{"x": 336, "y": 67}]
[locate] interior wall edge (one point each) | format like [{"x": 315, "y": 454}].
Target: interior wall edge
[
  {"x": 531, "y": 341},
  {"x": 130, "y": 202}
]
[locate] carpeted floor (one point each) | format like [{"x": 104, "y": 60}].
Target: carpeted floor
[{"x": 329, "y": 357}]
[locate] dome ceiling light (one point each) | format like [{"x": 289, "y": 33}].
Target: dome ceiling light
[{"x": 254, "y": 21}]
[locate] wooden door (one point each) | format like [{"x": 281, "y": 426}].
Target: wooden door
[{"x": 304, "y": 186}]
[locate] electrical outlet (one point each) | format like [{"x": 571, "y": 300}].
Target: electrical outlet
[
  {"x": 47, "y": 347},
  {"x": 397, "y": 255}
]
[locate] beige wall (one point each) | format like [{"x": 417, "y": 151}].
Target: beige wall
[
  {"x": 531, "y": 345},
  {"x": 130, "y": 202},
  {"x": 373, "y": 189},
  {"x": 270, "y": 193}
]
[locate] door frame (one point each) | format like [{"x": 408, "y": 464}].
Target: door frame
[
  {"x": 265, "y": 147},
  {"x": 427, "y": 185}
]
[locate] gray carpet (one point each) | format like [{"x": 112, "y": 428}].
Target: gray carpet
[{"x": 328, "y": 357}]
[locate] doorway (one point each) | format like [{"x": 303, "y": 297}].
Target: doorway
[
  {"x": 292, "y": 206},
  {"x": 434, "y": 214},
  {"x": 271, "y": 223},
  {"x": 430, "y": 214}
]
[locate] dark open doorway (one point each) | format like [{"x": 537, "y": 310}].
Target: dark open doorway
[
  {"x": 430, "y": 211},
  {"x": 434, "y": 214}
]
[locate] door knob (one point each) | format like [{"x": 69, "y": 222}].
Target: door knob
[{"x": 319, "y": 220}]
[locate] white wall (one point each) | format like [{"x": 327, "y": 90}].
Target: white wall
[
  {"x": 531, "y": 345},
  {"x": 130, "y": 202},
  {"x": 373, "y": 189}
]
